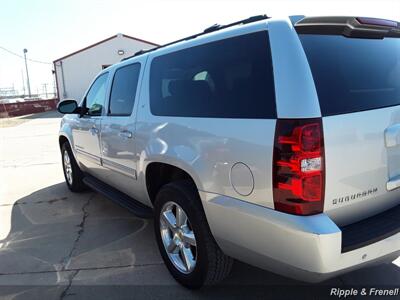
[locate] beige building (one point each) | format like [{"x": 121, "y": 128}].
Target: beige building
[{"x": 74, "y": 72}]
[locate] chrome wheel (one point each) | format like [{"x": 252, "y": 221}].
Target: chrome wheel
[
  {"x": 67, "y": 167},
  {"x": 178, "y": 237}
]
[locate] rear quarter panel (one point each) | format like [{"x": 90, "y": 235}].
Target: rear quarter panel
[{"x": 206, "y": 148}]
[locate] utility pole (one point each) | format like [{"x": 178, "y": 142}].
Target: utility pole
[
  {"x": 23, "y": 82},
  {"x": 27, "y": 74},
  {"x": 45, "y": 89}
]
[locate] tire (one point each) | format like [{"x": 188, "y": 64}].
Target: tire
[
  {"x": 75, "y": 182},
  {"x": 211, "y": 264}
]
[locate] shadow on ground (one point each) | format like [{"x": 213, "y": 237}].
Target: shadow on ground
[
  {"x": 45, "y": 115},
  {"x": 15, "y": 121},
  {"x": 83, "y": 246}
]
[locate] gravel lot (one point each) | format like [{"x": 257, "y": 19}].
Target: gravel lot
[{"x": 57, "y": 245}]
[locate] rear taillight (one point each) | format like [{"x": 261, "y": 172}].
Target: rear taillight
[{"x": 298, "y": 166}]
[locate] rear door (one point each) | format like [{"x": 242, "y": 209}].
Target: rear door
[
  {"x": 358, "y": 86},
  {"x": 118, "y": 128}
]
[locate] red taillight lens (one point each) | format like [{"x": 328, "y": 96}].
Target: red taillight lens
[{"x": 298, "y": 170}]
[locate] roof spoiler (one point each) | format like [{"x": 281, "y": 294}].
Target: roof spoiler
[{"x": 353, "y": 27}]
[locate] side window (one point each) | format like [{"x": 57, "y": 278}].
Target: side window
[
  {"x": 96, "y": 96},
  {"x": 230, "y": 78},
  {"x": 123, "y": 90}
]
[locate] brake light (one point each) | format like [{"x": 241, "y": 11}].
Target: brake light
[
  {"x": 298, "y": 166},
  {"x": 379, "y": 22}
]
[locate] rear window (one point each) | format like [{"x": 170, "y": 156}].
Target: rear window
[
  {"x": 352, "y": 74},
  {"x": 231, "y": 78}
]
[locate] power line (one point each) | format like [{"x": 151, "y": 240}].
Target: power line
[{"x": 20, "y": 56}]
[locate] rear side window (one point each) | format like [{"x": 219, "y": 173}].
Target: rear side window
[
  {"x": 123, "y": 90},
  {"x": 231, "y": 78},
  {"x": 352, "y": 74}
]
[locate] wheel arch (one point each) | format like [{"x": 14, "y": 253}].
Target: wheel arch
[
  {"x": 159, "y": 173},
  {"x": 63, "y": 138}
]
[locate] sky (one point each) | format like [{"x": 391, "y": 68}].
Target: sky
[{"x": 50, "y": 29}]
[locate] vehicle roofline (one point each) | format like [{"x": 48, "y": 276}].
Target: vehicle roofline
[{"x": 205, "y": 38}]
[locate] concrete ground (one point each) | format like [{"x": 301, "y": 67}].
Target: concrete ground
[{"x": 57, "y": 245}]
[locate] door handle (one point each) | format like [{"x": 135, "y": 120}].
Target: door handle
[
  {"x": 125, "y": 134},
  {"x": 94, "y": 130}
]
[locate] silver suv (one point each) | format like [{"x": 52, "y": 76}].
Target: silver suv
[{"x": 272, "y": 141}]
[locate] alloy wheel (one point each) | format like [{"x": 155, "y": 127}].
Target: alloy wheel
[
  {"x": 178, "y": 237},
  {"x": 67, "y": 167}
]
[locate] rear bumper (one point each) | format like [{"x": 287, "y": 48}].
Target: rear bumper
[{"x": 305, "y": 248}]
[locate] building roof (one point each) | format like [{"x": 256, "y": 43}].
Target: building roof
[{"x": 103, "y": 41}]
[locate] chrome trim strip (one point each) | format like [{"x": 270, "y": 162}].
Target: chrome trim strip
[
  {"x": 124, "y": 170},
  {"x": 88, "y": 156}
]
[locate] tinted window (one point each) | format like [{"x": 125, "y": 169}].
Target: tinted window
[
  {"x": 231, "y": 78},
  {"x": 123, "y": 90},
  {"x": 96, "y": 96},
  {"x": 353, "y": 74}
]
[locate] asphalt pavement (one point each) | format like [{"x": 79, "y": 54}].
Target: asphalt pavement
[{"x": 55, "y": 244}]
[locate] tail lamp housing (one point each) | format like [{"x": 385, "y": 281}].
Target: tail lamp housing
[{"x": 299, "y": 166}]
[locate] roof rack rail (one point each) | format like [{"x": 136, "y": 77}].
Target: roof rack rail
[{"x": 212, "y": 28}]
